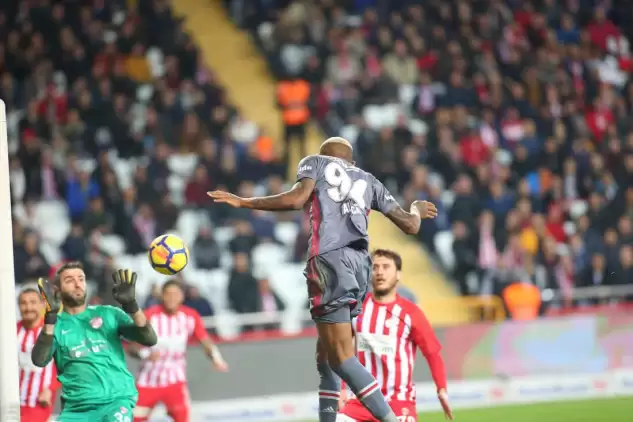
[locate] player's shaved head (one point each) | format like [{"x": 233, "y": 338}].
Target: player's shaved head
[{"x": 337, "y": 147}]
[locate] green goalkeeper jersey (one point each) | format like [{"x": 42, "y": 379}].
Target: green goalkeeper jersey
[{"x": 90, "y": 359}]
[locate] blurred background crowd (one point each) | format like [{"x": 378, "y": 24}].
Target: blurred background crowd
[{"x": 514, "y": 117}]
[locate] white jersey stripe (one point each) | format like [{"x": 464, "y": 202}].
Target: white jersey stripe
[
  {"x": 385, "y": 346},
  {"x": 33, "y": 380}
]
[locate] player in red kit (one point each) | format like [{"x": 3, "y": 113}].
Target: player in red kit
[
  {"x": 37, "y": 385},
  {"x": 389, "y": 331},
  {"x": 162, "y": 376}
]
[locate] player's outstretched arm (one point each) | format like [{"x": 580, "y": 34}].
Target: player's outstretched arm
[
  {"x": 293, "y": 199},
  {"x": 409, "y": 222},
  {"x": 43, "y": 349},
  {"x": 124, "y": 292}
]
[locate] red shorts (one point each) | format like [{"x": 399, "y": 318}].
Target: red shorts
[
  {"x": 174, "y": 397},
  {"x": 354, "y": 411},
  {"x": 35, "y": 414}
]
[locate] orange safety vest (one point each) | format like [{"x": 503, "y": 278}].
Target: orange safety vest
[
  {"x": 523, "y": 301},
  {"x": 293, "y": 97}
]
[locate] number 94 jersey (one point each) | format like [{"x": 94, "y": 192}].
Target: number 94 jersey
[{"x": 342, "y": 198}]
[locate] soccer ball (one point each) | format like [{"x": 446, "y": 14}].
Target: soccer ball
[{"x": 168, "y": 254}]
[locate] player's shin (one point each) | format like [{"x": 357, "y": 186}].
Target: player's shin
[
  {"x": 366, "y": 389},
  {"x": 329, "y": 392}
]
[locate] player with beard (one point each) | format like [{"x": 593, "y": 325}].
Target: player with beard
[
  {"x": 85, "y": 342},
  {"x": 389, "y": 331},
  {"x": 37, "y": 385}
]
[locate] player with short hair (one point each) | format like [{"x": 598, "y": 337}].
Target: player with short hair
[
  {"x": 162, "y": 375},
  {"x": 37, "y": 385},
  {"x": 389, "y": 331},
  {"x": 339, "y": 197},
  {"x": 85, "y": 343}
]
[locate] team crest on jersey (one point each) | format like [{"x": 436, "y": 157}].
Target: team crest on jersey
[
  {"x": 123, "y": 410},
  {"x": 96, "y": 322}
]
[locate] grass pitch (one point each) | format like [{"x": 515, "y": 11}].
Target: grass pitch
[{"x": 599, "y": 410}]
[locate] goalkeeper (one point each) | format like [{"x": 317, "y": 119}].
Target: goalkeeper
[{"x": 85, "y": 342}]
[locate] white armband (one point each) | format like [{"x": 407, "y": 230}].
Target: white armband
[{"x": 414, "y": 210}]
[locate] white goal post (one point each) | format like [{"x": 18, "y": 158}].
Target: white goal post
[{"x": 9, "y": 382}]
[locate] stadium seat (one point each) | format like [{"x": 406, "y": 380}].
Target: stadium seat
[
  {"x": 144, "y": 93},
  {"x": 267, "y": 258},
  {"x": 443, "y": 242},
  {"x": 418, "y": 127},
  {"x": 226, "y": 260},
  {"x": 189, "y": 224},
  {"x": 292, "y": 321},
  {"x": 50, "y": 251},
  {"x": 448, "y": 198},
  {"x": 406, "y": 95},
  {"x": 124, "y": 261},
  {"x": 213, "y": 285},
  {"x": 156, "y": 61},
  {"x": 227, "y": 325},
  {"x": 182, "y": 164},
  {"x": 51, "y": 217},
  {"x": 112, "y": 244},
  {"x": 286, "y": 233},
  {"x": 578, "y": 208},
  {"x": 176, "y": 185},
  {"x": 288, "y": 282},
  {"x": 570, "y": 228},
  {"x": 350, "y": 132},
  {"x": 223, "y": 235},
  {"x": 124, "y": 170}
]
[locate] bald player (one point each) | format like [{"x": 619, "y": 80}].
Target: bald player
[{"x": 338, "y": 196}]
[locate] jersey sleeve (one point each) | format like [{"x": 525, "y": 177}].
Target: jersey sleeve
[
  {"x": 422, "y": 333},
  {"x": 308, "y": 168},
  {"x": 382, "y": 200},
  {"x": 199, "y": 331},
  {"x": 121, "y": 318},
  {"x": 425, "y": 339}
]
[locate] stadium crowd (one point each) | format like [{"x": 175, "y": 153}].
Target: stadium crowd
[
  {"x": 513, "y": 117},
  {"x": 117, "y": 130}
]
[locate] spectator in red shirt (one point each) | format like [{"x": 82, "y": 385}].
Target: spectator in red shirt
[
  {"x": 554, "y": 224},
  {"x": 598, "y": 119},
  {"x": 601, "y": 29},
  {"x": 474, "y": 151},
  {"x": 198, "y": 186}
]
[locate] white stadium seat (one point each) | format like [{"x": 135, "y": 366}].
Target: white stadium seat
[
  {"x": 182, "y": 164},
  {"x": 51, "y": 218},
  {"x": 112, "y": 244},
  {"x": 189, "y": 224},
  {"x": 223, "y": 235},
  {"x": 288, "y": 281},
  {"x": 286, "y": 233},
  {"x": 176, "y": 185},
  {"x": 51, "y": 252},
  {"x": 267, "y": 257},
  {"x": 443, "y": 242},
  {"x": 406, "y": 95}
]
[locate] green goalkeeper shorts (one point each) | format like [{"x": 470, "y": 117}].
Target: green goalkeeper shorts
[{"x": 118, "y": 411}]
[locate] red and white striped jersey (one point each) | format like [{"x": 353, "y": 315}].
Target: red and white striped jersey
[
  {"x": 387, "y": 338},
  {"x": 32, "y": 378},
  {"x": 175, "y": 331}
]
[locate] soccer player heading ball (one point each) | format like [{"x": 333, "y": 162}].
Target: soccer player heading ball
[
  {"x": 85, "y": 343},
  {"x": 340, "y": 196}
]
